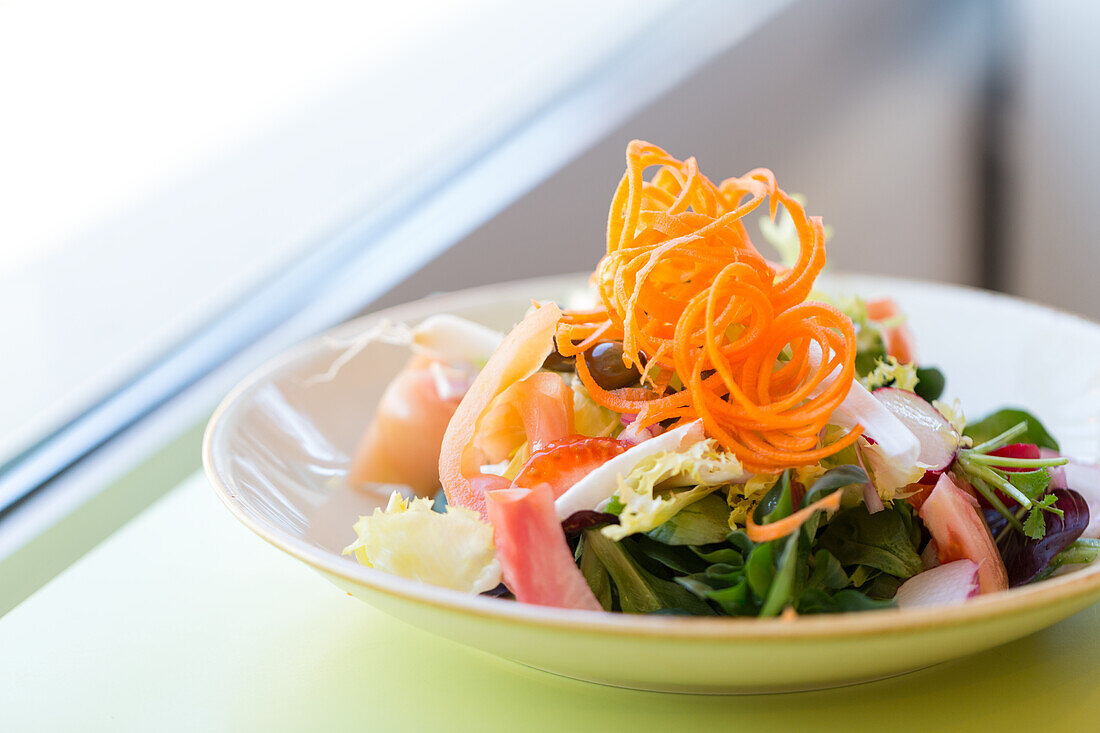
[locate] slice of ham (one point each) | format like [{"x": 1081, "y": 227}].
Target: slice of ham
[
  {"x": 520, "y": 355},
  {"x": 401, "y": 445},
  {"x": 407, "y": 430},
  {"x": 534, "y": 556},
  {"x": 899, "y": 340}
]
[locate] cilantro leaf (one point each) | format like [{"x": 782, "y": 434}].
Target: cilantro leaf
[
  {"x": 1031, "y": 483},
  {"x": 1035, "y": 526}
]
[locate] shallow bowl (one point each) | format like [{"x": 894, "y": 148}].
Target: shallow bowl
[{"x": 277, "y": 450}]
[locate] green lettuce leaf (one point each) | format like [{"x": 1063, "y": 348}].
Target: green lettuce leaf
[
  {"x": 930, "y": 383},
  {"x": 882, "y": 541},
  {"x": 703, "y": 523},
  {"x": 590, "y": 419},
  {"x": 665, "y": 483},
  {"x": 638, "y": 590},
  {"x": 996, "y": 423}
]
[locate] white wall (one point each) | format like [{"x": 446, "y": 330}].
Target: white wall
[
  {"x": 871, "y": 109},
  {"x": 1052, "y": 222}
]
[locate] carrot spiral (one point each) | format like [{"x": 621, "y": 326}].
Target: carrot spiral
[{"x": 722, "y": 334}]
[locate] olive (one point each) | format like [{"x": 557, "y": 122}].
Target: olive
[
  {"x": 555, "y": 362},
  {"x": 605, "y": 362}
]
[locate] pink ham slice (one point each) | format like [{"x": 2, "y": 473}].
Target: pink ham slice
[
  {"x": 402, "y": 442},
  {"x": 898, "y": 339},
  {"x": 533, "y": 554}
]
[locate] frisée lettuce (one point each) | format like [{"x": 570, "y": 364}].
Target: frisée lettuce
[
  {"x": 663, "y": 484},
  {"x": 453, "y": 549}
]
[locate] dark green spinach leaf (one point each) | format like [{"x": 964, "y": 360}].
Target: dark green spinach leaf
[
  {"x": 777, "y": 503},
  {"x": 881, "y": 541},
  {"x": 868, "y": 358},
  {"x": 596, "y": 574},
  {"x": 760, "y": 569},
  {"x": 830, "y": 481},
  {"x": 828, "y": 572},
  {"x": 930, "y": 383},
  {"x": 674, "y": 558},
  {"x": 781, "y": 592},
  {"x": 638, "y": 590},
  {"x": 817, "y": 601},
  {"x": 833, "y": 479},
  {"x": 996, "y": 423}
]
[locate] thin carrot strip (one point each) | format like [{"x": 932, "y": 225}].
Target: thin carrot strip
[{"x": 785, "y": 526}]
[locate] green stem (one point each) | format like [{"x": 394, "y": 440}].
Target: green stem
[
  {"x": 863, "y": 464},
  {"x": 992, "y": 498},
  {"x": 988, "y": 474},
  {"x": 1001, "y": 440},
  {"x": 1018, "y": 516},
  {"x": 989, "y": 460}
]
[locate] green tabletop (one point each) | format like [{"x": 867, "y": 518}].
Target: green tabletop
[{"x": 183, "y": 620}]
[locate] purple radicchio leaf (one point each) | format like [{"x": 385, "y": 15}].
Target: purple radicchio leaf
[
  {"x": 577, "y": 522},
  {"x": 1026, "y": 558}
]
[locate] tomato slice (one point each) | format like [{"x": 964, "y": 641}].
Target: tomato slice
[
  {"x": 563, "y": 463},
  {"x": 955, "y": 523},
  {"x": 520, "y": 355},
  {"x": 534, "y": 557},
  {"x": 917, "y": 493}
]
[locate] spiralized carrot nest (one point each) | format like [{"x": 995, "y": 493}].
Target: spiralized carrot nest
[{"x": 719, "y": 332}]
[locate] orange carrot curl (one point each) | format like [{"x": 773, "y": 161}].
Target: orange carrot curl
[{"x": 719, "y": 332}]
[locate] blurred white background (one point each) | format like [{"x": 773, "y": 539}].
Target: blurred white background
[{"x": 1052, "y": 118}]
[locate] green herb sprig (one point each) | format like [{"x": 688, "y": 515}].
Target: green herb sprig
[{"x": 1027, "y": 488}]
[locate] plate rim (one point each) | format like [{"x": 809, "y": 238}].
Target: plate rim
[{"x": 877, "y": 623}]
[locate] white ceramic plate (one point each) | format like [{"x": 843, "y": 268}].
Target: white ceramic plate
[{"x": 277, "y": 450}]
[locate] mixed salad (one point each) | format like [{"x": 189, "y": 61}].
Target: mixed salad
[{"x": 705, "y": 434}]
